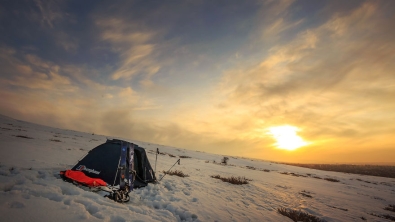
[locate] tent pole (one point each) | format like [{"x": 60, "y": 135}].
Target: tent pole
[
  {"x": 116, "y": 174},
  {"x": 157, "y": 152},
  {"x": 178, "y": 161}
]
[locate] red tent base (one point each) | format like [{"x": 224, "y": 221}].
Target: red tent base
[{"x": 80, "y": 177}]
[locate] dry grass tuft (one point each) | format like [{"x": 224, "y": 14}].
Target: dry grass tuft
[
  {"x": 339, "y": 208},
  {"x": 293, "y": 174},
  {"x": 233, "y": 180},
  {"x": 375, "y": 183},
  {"x": 297, "y": 215},
  {"x": 331, "y": 179},
  {"x": 25, "y": 137},
  {"x": 384, "y": 216},
  {"x": 176, "y": 173},
  {"x": 225, "y": 160},
  {"x": 185, "y": 157},
  {"x": 54, "y": 140},
  {"x": 306, "y": 194},
  {"x": 390, "y": 208}
]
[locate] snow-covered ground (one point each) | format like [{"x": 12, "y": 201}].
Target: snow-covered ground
[{"x": 31, "y": 190}]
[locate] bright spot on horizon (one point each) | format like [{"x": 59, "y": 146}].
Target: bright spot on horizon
[{"x": 286, "y": 137}]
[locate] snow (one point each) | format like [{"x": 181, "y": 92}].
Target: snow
[{"x": 31, "y": 189}]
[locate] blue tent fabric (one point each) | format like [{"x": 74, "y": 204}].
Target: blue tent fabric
[{"x": 103, "y": 162}]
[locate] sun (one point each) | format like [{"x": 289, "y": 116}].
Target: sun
[{"x": 286, "y": 137}]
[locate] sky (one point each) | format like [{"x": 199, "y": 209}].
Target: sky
[{"x": 289, "y": 81}]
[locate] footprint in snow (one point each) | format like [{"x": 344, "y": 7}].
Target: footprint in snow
[{"x": 186, "y": 192}]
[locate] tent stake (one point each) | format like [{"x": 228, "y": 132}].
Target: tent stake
[{"x": 178, "y": 161}]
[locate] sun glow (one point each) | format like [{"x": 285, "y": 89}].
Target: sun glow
[{"x": 287, "y": 137}]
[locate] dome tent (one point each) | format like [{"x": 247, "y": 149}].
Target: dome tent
[{"x": 113, "y": 163}]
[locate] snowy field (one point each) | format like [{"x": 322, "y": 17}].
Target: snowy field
[{"x": 31, "y": 157}]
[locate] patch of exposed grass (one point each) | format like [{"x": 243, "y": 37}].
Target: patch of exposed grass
[
  {"x": 297, "y": 215},
  {"x": 21, "y": 130},
  {"x": 390, "y": 208},
  {"x": 176, "y": 173},
  {"x": 25, "y": 137},
  {"x": 331, "y": 179},
  {"x": 306, "y": 194},
  {"x": 385, "y": 216},
  {"x": 54, "y": 140},
  {"x": 185, "y": 157},
  {"x": 233, "y": 180},
  {"x": 171, "y": 155},
  {"x": 265, "y": 170},
  {"x": 225, "y": 160},
  {"x": 297, "y": 175},
  {"x": 386, "y": 184},
  {"x": 339, "y": 208},
  {"x": 375, "y": 183},
  {"x": 293, "y": 174}
]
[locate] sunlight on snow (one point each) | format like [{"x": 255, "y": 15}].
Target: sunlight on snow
[{"x": 286, "y": 137}]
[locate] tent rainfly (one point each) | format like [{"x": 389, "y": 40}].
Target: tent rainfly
[{"x": 116, "y": 166}]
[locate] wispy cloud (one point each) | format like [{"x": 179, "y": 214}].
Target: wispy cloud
[
  {"x": 50, "y": 11},
  {"x": 33, "y": 73},
  {"x": 67, "y": 42},
  {"x": 133, "y": 46}
]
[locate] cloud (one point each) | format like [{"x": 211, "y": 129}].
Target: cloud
[
  {"x": 66, "y": 96},
  {"x": 133, "y": 46},
  {"x": 67, "y": 42},
  {"x": 137, "y": 74},
  {"x": 50, "y": 12},
  {"x": 328, "y": 79},
  {"x": 32, "y": 72}
]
